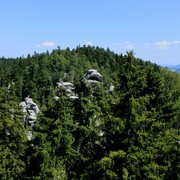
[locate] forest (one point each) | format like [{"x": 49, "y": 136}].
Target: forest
[{"x": 94, "y": 114}]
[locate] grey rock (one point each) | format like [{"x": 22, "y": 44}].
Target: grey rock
[
  {"x": 69, "y": 87},
  {"x": 56, "y": 98},
  {"x": 92, "y": 82},
  {"x": 73, "y": 97},
  {"x": 111, "y": 88},
  {"x": 29, "y": 110},
  {"x": 93, "y": 74},
  {"x": 29, "y": 135},
  {"x": 28, "y": 100}
]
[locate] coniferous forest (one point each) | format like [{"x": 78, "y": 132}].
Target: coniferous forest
[{"x": 94, "y": 114}]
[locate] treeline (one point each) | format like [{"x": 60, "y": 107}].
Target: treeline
[{"x": 130, "y": 132}]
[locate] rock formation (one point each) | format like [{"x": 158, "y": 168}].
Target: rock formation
[
  {"x": 29, "y": 110},
  {"x": 69, "y": 88},
  {"x": 93, "y": 76}
]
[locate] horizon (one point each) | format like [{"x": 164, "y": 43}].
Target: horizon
[{"x": 150, "y": 29}]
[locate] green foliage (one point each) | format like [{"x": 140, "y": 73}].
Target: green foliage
[{"x": 131, "y": 132}]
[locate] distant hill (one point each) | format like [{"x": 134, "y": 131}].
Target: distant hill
[
  {"x": 175, "y": 68},
  {"x": 178, "y": 70}
]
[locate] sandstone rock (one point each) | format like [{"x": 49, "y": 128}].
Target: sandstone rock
[
  {"x": 29, "y": 110},
  {"x": 111, "y": 88},
  {"x": 93, "y": 74},
  {"x": 69, "y": 87}
]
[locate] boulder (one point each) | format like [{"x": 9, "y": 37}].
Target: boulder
[
  {"x": 73, "y": 97},
  {"x": 92, "y": 82},
  {"x": 111, "y": 88},
  {"x": 69, "y": 87},
  {"x": 28, "y": 100},
  {"x": 56, "y": 98},
  {"x": 29, "y": 110},
  {"x": 29, "y": 135},
  {"x": 93, "y": 74}
]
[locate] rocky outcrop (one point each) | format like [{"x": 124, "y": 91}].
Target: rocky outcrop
[
  {"x": 93, "y": 76},
  {"x": 30, "y": 111},
  {"x": 111, "y": 87},
  {"x": 69, "y": 88}
]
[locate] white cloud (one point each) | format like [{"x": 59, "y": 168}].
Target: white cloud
[
  {"x": 176, "y": 42},
  {"x": 128, "y": 45},
  {"x": 117, "y": 47},
  {"x": 163, "y": 44},
  {"x": 46, "y": 44},
  {"x": 89, "y": 43},
  {"x": 166, "y": 44}
]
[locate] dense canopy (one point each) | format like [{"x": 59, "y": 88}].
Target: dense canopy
[{"x": 122, "y": 122}]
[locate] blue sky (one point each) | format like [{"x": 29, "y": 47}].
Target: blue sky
[{"x": 150, "y": 28}]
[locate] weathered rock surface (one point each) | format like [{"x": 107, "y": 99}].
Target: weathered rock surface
[
  {"x": 94, "y": 75},
  {"x": 111, "y": 88},
  {"x": 30, "y": 111},
  {"x": 69, "y": 87},
  {"x": 29, "y": 108}
]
